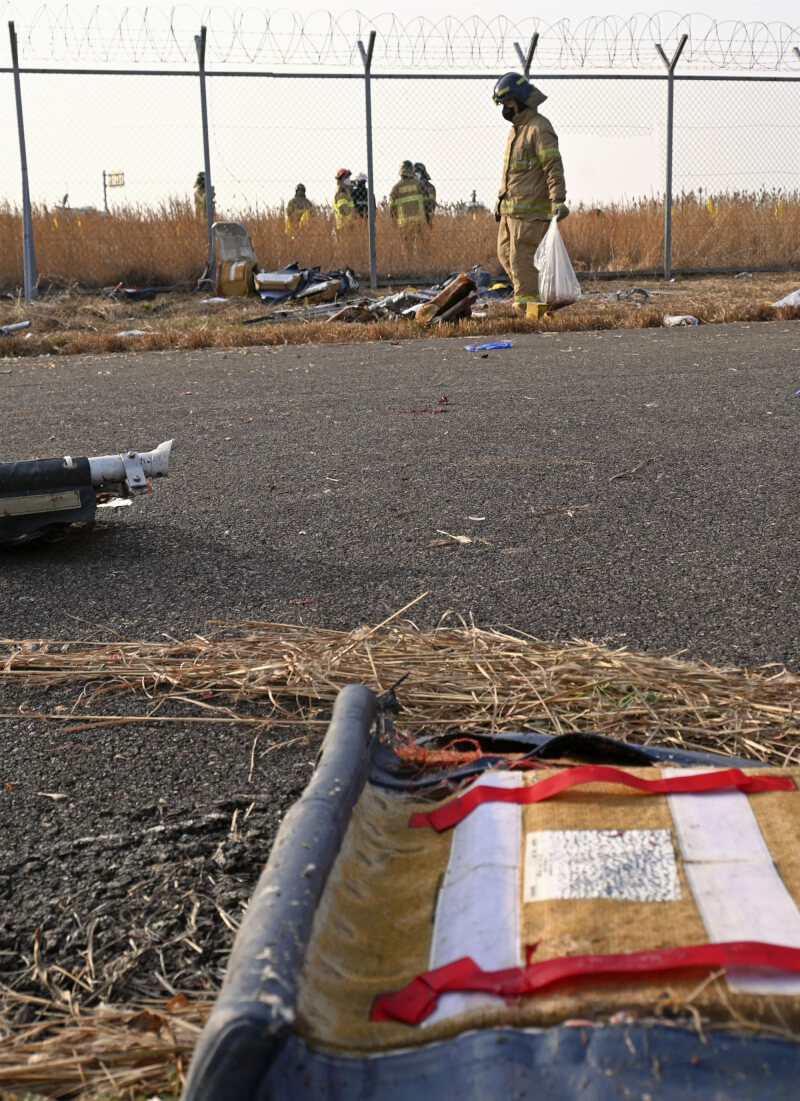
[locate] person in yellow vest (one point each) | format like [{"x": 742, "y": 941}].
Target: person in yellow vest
[
  {"x": 343, "y": 205},
  {"x": 532, "y": 190},
  {"x": 407, "y": 199},
  {"x": 428, "y": 190},
  {"x": 200, "y": 195},
  {"x": 298, "y": 210}
]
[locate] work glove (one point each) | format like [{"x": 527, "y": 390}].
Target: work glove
[
  {"x": 560, "y": 210},
  {"x": 497, "y": 211}
]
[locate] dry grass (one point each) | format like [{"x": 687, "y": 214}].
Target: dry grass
[
  {"x": 103, "y": 1053},
  {"x": 166, "y": 246},
  {"x": 461, "y": 679},
  {"x": 742, "y": 231},
  {"x": 72, "y": 323}
]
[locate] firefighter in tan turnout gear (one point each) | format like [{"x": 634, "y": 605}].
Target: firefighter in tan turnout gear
[
  {"x": 533, "y": 189},
  {"x": 407, "y": 198},
  {"x": 298, "y": 210}
]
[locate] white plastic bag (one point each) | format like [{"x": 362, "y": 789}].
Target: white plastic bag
[
  {"x": 792, "y": 299},
  {"x": 558, "y": 285}
]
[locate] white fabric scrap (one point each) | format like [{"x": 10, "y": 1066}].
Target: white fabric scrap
[{"x": 477, "y": 912}]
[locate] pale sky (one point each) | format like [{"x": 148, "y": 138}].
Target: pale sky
[
  {"x": 766, "y": 11},
  {"x": 269, "y": 134}
]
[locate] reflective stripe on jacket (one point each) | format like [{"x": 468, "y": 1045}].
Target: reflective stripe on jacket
[
  {"x": 533, "y": 175},
  {"x": 298, "y": 212},
  {"x": 343, "y": 205},
  {"x": 407, "y": 201}
]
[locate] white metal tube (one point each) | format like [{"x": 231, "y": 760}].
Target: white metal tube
[{"x": 110, "y": 468}]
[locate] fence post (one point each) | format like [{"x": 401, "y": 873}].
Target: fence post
[
  {"x": 670, "y": 119},
  {"x": 527, "y": 58},
  {"x": 366, "y": 57},
  {"x": 200, "y": 46},
  {"x": 28, "y": 254}
]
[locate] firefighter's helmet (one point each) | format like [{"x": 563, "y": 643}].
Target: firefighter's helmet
[
  {"x": 420, "y": 168},
  {"x": 300, "y": 189},
  {"x": 512, "y": 86},
  {"x": 343, "y": 174}
]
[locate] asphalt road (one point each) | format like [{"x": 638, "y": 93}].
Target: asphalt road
[{"x": 632, "y": 486}]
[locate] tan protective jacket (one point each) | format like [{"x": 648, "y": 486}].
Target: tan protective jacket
[
  {"x": 298, "y": 212},
  {"x": 407, "y": 200},
  {"x": 533, "y": 175}
]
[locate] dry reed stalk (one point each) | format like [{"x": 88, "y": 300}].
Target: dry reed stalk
[
  {"x": 166, "y": 245},
  {"x": 461, "y": 680},
  {"x": 90, "y": 1053}
]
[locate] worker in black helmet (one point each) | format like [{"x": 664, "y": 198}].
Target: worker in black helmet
[{"x": 532, "y": 190}]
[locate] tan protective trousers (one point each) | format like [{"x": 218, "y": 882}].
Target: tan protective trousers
[{"x": 517, "y": 241}]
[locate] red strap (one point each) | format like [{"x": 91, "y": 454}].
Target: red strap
[
  {"x": 416, "y": 1001},
  {"x": 456, "y": 809}
]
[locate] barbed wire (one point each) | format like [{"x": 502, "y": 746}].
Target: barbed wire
[{"x": 283, "y": 37}]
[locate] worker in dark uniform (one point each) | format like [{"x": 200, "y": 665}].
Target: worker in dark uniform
[
  {"x": 428, "y": 190},
  {"x": 360, "y": 195}
]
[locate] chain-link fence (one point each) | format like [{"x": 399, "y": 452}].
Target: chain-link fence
[{"x": 106, "y": 138}]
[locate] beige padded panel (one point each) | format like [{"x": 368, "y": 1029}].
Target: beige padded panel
[{"x": 372, "y": 931}]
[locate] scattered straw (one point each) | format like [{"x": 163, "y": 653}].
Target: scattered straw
[
  {"x": 102, "y": 1053},
  {"x": 461, "y": 679}
]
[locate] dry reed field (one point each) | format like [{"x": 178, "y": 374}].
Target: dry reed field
[
  {"x": 166, "y": 246},
  {"x": 81, "y": 257}
]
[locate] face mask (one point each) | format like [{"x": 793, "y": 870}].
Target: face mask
[{"x": 508, "y": 112}]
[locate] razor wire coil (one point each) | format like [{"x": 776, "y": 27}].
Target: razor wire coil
[{"x": 283, "y": 37}]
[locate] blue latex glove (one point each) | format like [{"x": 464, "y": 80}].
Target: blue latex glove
[{"x": 489, "y": 347}]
